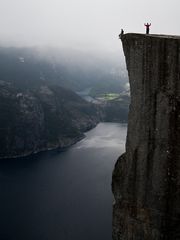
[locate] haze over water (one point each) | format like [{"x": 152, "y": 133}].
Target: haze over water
[{"x": 62, "y": 195}]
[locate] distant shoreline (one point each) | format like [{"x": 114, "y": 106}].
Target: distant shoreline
[{"x": 59, "y": 148}]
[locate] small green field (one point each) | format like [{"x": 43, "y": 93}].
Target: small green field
[{"x": 108, "y": 96}]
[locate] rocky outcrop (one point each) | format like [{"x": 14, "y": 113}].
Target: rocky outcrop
[
  {"x": 146, "y": 179},
  {"x": 43, "y": 119}
]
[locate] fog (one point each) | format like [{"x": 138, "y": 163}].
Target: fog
[{"x": 88, "y": 25}]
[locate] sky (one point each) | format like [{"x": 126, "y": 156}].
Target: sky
[{"x": 83, "y": 24}]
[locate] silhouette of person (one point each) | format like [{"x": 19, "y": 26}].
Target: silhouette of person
[
  {"x": 122, "y": 32},
  {"x": 147, "y": 25}
]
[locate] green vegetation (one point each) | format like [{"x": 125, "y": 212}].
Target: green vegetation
[
  {"x": 105, "y": 86},
  {"x": 108, "y": 96}
]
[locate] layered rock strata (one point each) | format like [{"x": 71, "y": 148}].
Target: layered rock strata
[{"x": 146, "y": 179}]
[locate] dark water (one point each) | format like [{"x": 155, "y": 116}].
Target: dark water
[{"x": 62, "y": 195}]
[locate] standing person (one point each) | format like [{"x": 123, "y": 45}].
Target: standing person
[{"x": 147, "y": 25}]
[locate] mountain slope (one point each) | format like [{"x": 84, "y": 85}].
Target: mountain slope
[
  {"x": 45, "y": 118},
  {"x": 32, "y": 67}
]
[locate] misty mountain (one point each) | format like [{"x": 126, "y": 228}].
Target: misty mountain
[
  {"x": 39, "y": 107},
  {"x": 72, "y": 69},
  {"x": 41, "y": 119}
]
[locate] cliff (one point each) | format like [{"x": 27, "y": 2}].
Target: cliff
[
  {"x": 146, "y": 179},
  {"x": 46, "y": 118}
]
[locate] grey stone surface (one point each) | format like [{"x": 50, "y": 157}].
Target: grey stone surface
[{"x": 146, "y": 179}]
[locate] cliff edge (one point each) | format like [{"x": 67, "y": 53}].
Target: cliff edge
[{"x": 146, "y": 179}]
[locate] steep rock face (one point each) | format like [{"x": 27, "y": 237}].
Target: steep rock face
[{"x": 146, "y": 179}]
